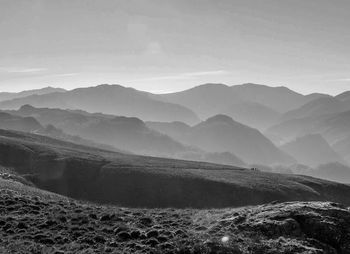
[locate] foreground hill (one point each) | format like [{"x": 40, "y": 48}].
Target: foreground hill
[
  {"x": 108, "y": 177},
  {"x": 109, "y": 99},
  {"x": 221, "y": 133},
  {"x": 311, "y": 150},
  {"x": 33, "y": 221}
]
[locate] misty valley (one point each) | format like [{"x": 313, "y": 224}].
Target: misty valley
[
  {"x": 174, "y": 127},
  {"x": 126, "y": 174}
]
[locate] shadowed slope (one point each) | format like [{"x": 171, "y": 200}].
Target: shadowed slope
[{"x": 107, "y": 177}]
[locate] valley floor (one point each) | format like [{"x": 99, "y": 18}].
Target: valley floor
[{"x": 35, "y": 221}]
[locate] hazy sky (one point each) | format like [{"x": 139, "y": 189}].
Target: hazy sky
[{"x": 171, "y": 45}]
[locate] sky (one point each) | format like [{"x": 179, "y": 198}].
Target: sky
[{"x": 171, "y": 45}]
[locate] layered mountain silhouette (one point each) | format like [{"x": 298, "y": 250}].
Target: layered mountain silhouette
[
  {"x": 342, "y": 147},
  {"x": 30, "y": 124},
  {"x": 46, "y": 90},
  {"x": 333, "y": 127},
  {"x": 221, "y": 133},
  {"x": 332, "y": 171},
  {"x": 109, "y": 99},
  {"x": 281, "y": 99},
  {"x": 311, "y": 150},
  {"x": 317, "y": 107},
  {"x": 205, "y": 100},
  {"x": 258, "y": 106},
  {"x": 12, "y": 122},
  {"x": 252, "y": 114},
  {"x": 126, "y": 133}
]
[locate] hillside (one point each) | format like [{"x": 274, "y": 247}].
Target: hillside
[
  {"x": 44, "y": 222},
  {"x": 311, "y": 150},
  {"x": 109, "y": 99},
  {"x": 221, "y": 133},
  {"x": 130, "y": 180}
]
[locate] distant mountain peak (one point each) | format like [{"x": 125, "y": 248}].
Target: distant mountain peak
[
  {"x": 211, "y": 85},
  {"x": 343, "y": 96},
  {"x": 134, "y": 121},
  {"x": 208, "y": 86},
  {"x": 254, "y": 85},
  {"x": 220, "y": 118},
  {"x": 26, "y": 107}
]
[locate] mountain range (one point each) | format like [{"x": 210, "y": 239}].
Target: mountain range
[
  {"x": 311, "y": 150},
  {"x": 221, "y": 133},
  {"x": 211, "y": 122},
  {"x": 95, "y": 175},
  {"x": 108, "y": 99},
  {"x": 124, "y": 133},
  {"x": 46, "y": 90}
]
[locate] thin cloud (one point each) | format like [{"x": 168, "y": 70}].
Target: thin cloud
[
  {"x": 341, "y": 80},
  {"x": 21, "y": 70},
  {"x": 64, "y": 74},
  {"x": 207, "y": 73},
  {"x": 184, "y": 76}
]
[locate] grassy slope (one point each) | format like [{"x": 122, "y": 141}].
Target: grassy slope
[
  {"x": 35, "y": 221},
  {"x": 138, "y": 181}
]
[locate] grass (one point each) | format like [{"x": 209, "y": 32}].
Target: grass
[{"x": 107, "y": 177}]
